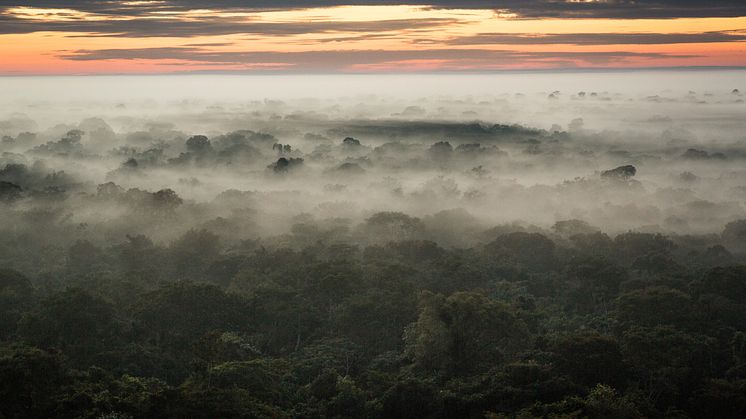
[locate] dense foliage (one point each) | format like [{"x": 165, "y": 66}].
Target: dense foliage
[
  {"x": 427, "y": 269},
  {"x": 567, "y": 322}
]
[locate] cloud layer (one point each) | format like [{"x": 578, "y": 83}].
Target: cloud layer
[
  {"x": 53, "y": 37},
  {"x": 627, "y": 9}
]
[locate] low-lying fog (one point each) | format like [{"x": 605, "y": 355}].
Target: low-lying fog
[{"x": 288, "y": 159}]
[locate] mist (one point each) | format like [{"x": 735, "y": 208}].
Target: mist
[
  {"x": 520, "y": 149},
  {"x": 536, "y": 244}
]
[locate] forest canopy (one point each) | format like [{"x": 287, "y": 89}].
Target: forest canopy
[{"x": 353, "y": 260}]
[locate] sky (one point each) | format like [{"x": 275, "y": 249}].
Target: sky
[{"x": 52, "y": 37}]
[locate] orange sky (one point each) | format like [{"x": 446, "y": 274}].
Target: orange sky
[{"x": 352, "y": 39}]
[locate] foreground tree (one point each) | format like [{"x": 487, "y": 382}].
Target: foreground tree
[{"x": 462, "y": 333}]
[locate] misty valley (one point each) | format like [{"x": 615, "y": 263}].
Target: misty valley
[{"x": 574, "y": 250}]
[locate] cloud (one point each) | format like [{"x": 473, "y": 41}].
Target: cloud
[
  {"x": 624, "y": 9},
  {"x": 599, "y": 38},
  {"x": 362, "y": 59},
  {"x": 206, "y": 26},
  {"x": 421, "y": 38}
]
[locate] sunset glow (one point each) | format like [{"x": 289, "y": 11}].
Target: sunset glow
[{"x": 155, "y": 37}]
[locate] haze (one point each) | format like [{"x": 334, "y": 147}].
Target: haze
[{"x": 521, "y": 147}]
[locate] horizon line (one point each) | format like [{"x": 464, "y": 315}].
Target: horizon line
[{"x": 391, "y": 73}]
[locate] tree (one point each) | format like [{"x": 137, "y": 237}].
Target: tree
[
  {"x": 572, "y": 227},
  {"x": 596, "y": 244},
  {"x": 9, "y": 191},
  {"x": 590, "y": 282},
  {"x": 16, "y": 297},
  {"x": 734, "y": 235},
  {"x": 75, "y": 321},
  {"x": 199, "y": 145},
  {"x": 411, "y": 398},
  {"x": 604, "y": 402},
  {"x": 531, "y": 251},
  {"x": 668, "y": 362},
  {"x": 721, "y": 292},
  {"x": 720, "y": 398},
  {"x": 350, "y": 142},
  {"x": 630, "y": 246},
  {"x": 383, "y": 227},
  {"x": 262, "y": 378},
  {"x": 284, "y": 165},
  {"x": 82, "y": 256},
  {"x": 656, "y": 306},
  {"x": 441, "y": 152},
  {"x": 285, "y": 319},
  {"x": 590, "y": 359},
  {"x": 179, "y": 314},
  {"x": 139, "y": 258},
  {"x": 656, "y": 263},
  {"x": 376, "y": 318},
  {"x": 339, "y": 355},
  {"x": 30, "y": 379},
  {"x": 193, "y": 253},
  {"x": 165, "y": 201},
  {"x": 620, "y": 173},
  {"x": 462, "y": 333},
  {"x": 109, "y": 190}
]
